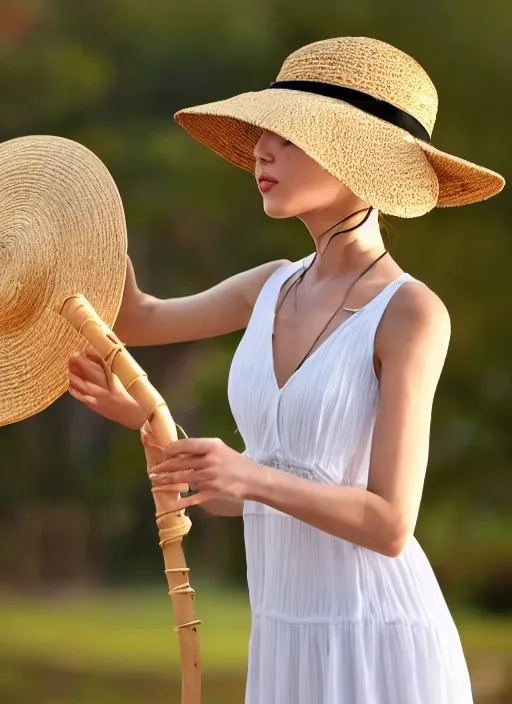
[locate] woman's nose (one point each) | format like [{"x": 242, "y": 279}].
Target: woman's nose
[{"x": 262, "y": 150}]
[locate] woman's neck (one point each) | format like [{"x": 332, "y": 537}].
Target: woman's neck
[{"x": 346, "y": 253}]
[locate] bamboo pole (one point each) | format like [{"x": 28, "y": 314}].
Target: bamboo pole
[{"x": 172, "y": 525}]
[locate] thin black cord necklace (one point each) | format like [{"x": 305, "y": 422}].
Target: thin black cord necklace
[
  {"x": 349, "y": 289},
  {"x": 340, "y": 232}
]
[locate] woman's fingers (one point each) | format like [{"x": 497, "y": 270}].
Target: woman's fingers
[
  {"x": 193, "y": 500},
  {"x": 146, "y": 434},
  {"x": 183, "y": 462},
  {"x": 89, "y": 366},
  {"x": 87, "y": 369},
  {"x": 77, "y": 360},
  {"x": 188, "y": 476},
  {"x": 87, "y": 400},
  {"x": 85, "y": 387},
  {"x": 77, "y": 383},
  {"x": 93, "y": 354},
  {"x": 154, "y": 453},
  {"x": 97, "y": 367},
  {"x": 157, "y": 455}
]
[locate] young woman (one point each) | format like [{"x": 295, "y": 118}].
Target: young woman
[{"x": 332, "y": 385}]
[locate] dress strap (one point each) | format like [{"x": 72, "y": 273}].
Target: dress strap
[
  {"x": 270, "y": 289},
  {"x": 377, "y": 307}
]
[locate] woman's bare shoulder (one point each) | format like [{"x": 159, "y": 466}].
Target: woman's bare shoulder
[
  {"x": 415, "y": 313},
  {"x": 412, "y": 340},
  {"x": 253, "y": 280},
  {"x": 416, "y": 304}
]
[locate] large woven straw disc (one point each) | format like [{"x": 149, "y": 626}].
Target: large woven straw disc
[
  {"x": 62, "y": 232},
  {"x": 381, "y": 163}
]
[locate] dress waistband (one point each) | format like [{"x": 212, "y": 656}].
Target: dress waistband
[{"x": 291, "y": 466}]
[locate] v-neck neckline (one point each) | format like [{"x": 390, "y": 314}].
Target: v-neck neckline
[{"x": 342, "y": 326}]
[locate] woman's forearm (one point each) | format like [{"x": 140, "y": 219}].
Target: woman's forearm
[
  {"x": 351, "y": 513},
  {"x": 224, "y": 507}
]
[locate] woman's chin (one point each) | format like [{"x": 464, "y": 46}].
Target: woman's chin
[{"x": 276, "y": 209}]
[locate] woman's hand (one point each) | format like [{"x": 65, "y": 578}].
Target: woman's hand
[
  {"x": 215, "y": 470},
  {"x": 92, "y": 383}
]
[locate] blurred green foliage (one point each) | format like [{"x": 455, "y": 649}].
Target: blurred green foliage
[
  {"x": 110, "y": 74},
  {"x": 114, "y": 647}
]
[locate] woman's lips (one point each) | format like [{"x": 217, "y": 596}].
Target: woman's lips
[{"x": 266, "y": 186}]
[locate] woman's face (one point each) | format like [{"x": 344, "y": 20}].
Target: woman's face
[{"x": 299, "y": 186}]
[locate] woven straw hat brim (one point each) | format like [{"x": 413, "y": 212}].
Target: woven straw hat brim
[
  {"x": 382, "y": 164},
  {"x": 461, "y": 182},
  {"x": 62, "y": 232}
]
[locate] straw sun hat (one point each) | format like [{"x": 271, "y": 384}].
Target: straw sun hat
[
  {"x": 62, "y": 232},
  {"x": 361, "y": 109}
]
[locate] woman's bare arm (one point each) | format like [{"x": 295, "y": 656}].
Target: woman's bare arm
[
  {"x": 146, "y": 320},
  {"x": 224, "y": 308}
]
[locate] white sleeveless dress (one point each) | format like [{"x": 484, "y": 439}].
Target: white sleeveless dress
[{"x": 332, "y": 622}]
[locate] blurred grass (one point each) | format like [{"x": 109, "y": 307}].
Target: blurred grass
[
  {"x": 121, "y": 631},
  {"x": 120, "y": 647},
  {"x": 21, "y": 685},
  {"x": 134, "y": 630}
]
